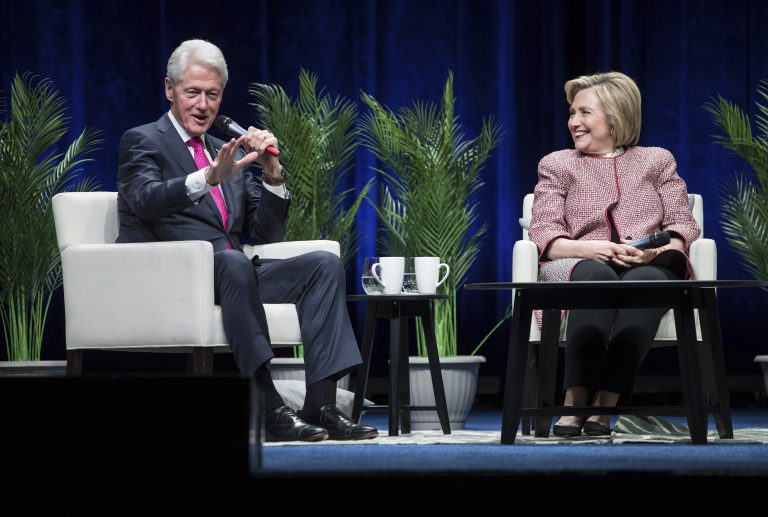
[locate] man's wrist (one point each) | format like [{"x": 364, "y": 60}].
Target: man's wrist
[
  {"x": 207, "y": 180},
  {"x": 272, "y": 180}
]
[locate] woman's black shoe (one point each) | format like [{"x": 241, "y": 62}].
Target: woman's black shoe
[
  {"x": 592, "y": 428},
  {"x": 566, "y": 431}
]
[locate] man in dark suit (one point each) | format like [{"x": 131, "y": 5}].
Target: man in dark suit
[{"x": 175, "y": 182}]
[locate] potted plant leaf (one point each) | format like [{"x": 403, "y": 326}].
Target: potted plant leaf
[
  {"x": 428, "y": 207},
  {"x": 33, "y": 169},
  {"x": 745, "y": 198},
  {"x": 318, "y": 140}
]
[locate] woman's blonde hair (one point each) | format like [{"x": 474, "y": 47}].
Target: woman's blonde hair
[{"x": 620, "y": 98}]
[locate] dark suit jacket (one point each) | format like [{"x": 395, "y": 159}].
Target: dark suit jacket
[{"x": 153, "y": 204}]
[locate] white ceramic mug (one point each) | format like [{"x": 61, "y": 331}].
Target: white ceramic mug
[
  {"x": 391, "y": 270},
  {"x": 427, "y": 273}
]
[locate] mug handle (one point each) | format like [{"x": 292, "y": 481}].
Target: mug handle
[
  {"x": 373, "y": 272},
  {"x": 447, "y": 272}
]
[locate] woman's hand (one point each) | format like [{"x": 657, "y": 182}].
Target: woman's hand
[
  {"x": 636, "y": 257},
  {"x": 632, "y": 256},
  {"x": 601, "y": 251},
  {"x": 606, "y": 252}
]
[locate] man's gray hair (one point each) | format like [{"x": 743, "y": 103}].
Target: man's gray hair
[{"x": 196, "y": 52}]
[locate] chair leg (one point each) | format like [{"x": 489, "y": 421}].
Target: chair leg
[
  {"x": 202, "y": 361},
  {"x": 74, "y": 363}
]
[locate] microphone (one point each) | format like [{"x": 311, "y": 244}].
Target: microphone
[
  {"x": 229, "y": 127},
  {"x": 655, "y": 240}
]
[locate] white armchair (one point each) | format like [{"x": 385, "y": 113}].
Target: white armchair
[
  {"x": 703, "y": 256},
  {"x": 156, "y": 296}
]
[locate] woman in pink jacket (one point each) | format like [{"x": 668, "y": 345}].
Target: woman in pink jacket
[{"x": 589, "y": 201}]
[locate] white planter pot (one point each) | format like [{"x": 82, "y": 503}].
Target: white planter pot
[
  {"x": 292, "y": 369},
  {"x": 460, "y": 381}
]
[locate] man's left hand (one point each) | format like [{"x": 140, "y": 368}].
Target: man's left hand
[{"x": 258, "y": 140}]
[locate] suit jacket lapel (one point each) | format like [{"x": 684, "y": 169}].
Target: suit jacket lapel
[
  {"x": 180, "y": 152},
  {"x": 178, "y": 148}
]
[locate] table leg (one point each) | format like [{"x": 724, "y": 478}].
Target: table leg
[
  {"x": 404, "y": 380},
  {"x": 394, "y": 368},
  {"x": 531, "y": 384},
  {"x": 434, "y": 367},
  {"x": 519, "y": 337},
  {"x": 361, "y": 383},
  {"x": 713, "y": 349},
  {"x": 547, "y": 378},
  {"x": 690, "y": 371}
]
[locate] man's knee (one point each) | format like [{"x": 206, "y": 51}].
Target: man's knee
[
  {"x": 326, "y": 262},
  {"x": 233, "y": 265}
]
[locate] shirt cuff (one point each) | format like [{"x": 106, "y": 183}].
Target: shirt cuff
[
  {"x": 278, "y": 190},
  {"x": 196, "y": 185}
]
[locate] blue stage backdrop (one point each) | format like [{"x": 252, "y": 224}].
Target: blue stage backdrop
[{"x": 510, "y": 60}]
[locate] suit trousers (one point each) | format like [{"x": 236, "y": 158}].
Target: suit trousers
[
  {"x": 314, "y": 281},
  {"x": 604, "y": 348}
]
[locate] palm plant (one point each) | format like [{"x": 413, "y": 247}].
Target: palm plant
[
  {"x": 428, "y": 208},
  {"x": 745, "y": 198},
  {"x": 32, "y": 171},
  {"x": 318, "y": 140}
]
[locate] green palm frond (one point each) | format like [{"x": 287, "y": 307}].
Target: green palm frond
[
  {"x": 745, "y": 224},
  {"x": 318, "y": 140},
  {"x": 431, "y": 173},
  {"x": 745, "y": 199},
  {"x": 32, "y": 171}
]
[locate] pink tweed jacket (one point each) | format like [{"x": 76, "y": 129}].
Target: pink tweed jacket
[{"x": 575, "y": 192}]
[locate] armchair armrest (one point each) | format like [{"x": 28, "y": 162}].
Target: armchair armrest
[
  {"x": 525, "y": 262},
  {"x": 145, "y": 294},
  {"x": 282, "y": 250},
  {"x": 703, "y": 255}
]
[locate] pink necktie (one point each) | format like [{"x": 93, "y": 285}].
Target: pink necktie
[{"x": 201, "y": 160}]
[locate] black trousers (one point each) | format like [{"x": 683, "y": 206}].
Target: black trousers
[
  {"x": 315, "y": 282},
  {"x": 604, "y": 348}
]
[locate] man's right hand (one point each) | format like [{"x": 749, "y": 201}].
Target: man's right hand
[{"x": 225, "y": 166}]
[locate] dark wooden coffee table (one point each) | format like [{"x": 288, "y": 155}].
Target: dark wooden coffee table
[{"x": 682, "y": 296}]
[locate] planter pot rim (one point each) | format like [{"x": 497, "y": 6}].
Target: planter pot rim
[
  {"x": 33, "y": 368},
  {"x": 23, "y": 364},
  {"x": 449, "y": 359}
]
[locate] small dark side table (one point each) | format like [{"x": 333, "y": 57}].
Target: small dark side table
[{"x": 397, "y": 309}]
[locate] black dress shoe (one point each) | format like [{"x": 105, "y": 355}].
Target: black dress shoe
[
  {"x": 593, "y": 428},
  {"x": 283, "y": 425},
  {"x": 339, "y": 426},
  {"x": 566, "y": 431}
]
